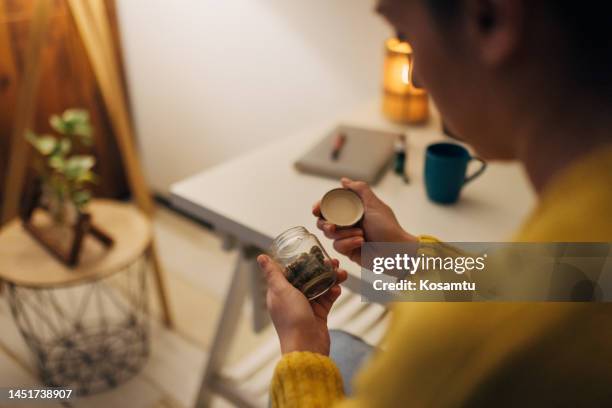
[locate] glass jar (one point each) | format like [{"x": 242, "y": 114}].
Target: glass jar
[{"x": 306, "y": 264}]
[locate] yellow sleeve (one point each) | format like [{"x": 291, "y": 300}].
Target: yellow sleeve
[
  {"x": 432, "y": 246},
  {"x": 305, "y": 379}
]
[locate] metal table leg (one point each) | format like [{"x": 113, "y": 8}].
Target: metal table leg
[{"x": 226, "y": 327}]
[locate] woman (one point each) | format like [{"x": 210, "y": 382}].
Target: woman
[{"x": 519, "y": 80}]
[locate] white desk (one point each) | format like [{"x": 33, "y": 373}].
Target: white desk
[
  {"x": 259, "y": 195},
  {"x": 255, "y": 197}
]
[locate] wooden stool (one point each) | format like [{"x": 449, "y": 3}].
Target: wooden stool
[{"x": 87, "y": 326}]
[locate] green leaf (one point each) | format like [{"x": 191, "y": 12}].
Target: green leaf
[
  {"x": 73, "y": 122},
  {"x": 81, "y": 198},
  {"x": 86, "y": 177},
  {"x": 75, "y": 115},
  {"x": 64, "y": 146},
  {"x": 76, "y": 166},
  {"x": 57, "y": 163},
  {"x": 45, "y": 144},
  {"x": 31, "y": 137},
  {"x": 58, "y": 124},
  {"x": 84, "y": 162},
  {"x": 85, "y": 131}
]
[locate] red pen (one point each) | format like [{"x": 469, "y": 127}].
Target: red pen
[{"x": 338, "y": 145}]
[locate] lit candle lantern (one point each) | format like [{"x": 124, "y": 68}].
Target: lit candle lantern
[{"x": 402, "y": 101}]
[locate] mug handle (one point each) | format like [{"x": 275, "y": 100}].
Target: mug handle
[{"x": 483, "y": 166}]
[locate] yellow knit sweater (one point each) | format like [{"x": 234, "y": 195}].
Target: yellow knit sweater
[{"x": 484, "y": 355}]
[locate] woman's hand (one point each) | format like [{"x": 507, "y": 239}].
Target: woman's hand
[
  {"x": 378, "y": 225},
  {"x": 301, "y": 325}
]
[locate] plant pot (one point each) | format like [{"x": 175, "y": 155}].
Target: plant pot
[{"x": 63, "y": 211}]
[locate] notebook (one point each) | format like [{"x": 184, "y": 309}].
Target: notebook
[{"x": 365, "y": 155}]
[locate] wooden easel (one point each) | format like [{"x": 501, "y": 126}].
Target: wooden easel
[{"x": 92, "y": 24}]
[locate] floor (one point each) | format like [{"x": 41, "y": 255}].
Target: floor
[{"x": 198, "y": 273}]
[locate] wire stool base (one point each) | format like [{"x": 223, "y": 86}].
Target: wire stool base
[{"x": 88, "y": 337}]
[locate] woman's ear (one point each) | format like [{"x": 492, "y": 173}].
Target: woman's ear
[{"x": 496, "y": 28}]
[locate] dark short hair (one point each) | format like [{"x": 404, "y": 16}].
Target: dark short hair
[{"x": 587, "y": 28}]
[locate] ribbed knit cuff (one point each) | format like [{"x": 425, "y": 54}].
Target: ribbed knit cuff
[{"x": 305, "y": 379}]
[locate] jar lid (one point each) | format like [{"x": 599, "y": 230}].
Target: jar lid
[{"x": 342, "y": 207}]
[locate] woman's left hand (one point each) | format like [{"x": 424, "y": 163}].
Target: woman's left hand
[{"x": 301, "y": 325}]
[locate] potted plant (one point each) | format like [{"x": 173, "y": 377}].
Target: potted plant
[
  {"x": 62, "y": 187},
  {"x": 65, "y": 176}
]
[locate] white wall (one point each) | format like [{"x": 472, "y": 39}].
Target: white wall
[{"x": 210, "y": 79}]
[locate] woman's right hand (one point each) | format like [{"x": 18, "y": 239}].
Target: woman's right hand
[{"x": 378, "y": 225}]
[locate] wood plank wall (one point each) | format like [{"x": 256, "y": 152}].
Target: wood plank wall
[{"x": 67, "y": 80}]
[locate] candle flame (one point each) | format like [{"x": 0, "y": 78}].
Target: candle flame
[{"x": 406, "y": 74}]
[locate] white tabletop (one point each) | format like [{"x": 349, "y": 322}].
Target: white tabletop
[{"x": 256, "y": 196}]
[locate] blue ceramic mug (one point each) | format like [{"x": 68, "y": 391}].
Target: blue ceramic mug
[{"x": 445, "y": 171}]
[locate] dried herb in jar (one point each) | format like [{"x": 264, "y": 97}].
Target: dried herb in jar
[{"x": 308, "y": 266}]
